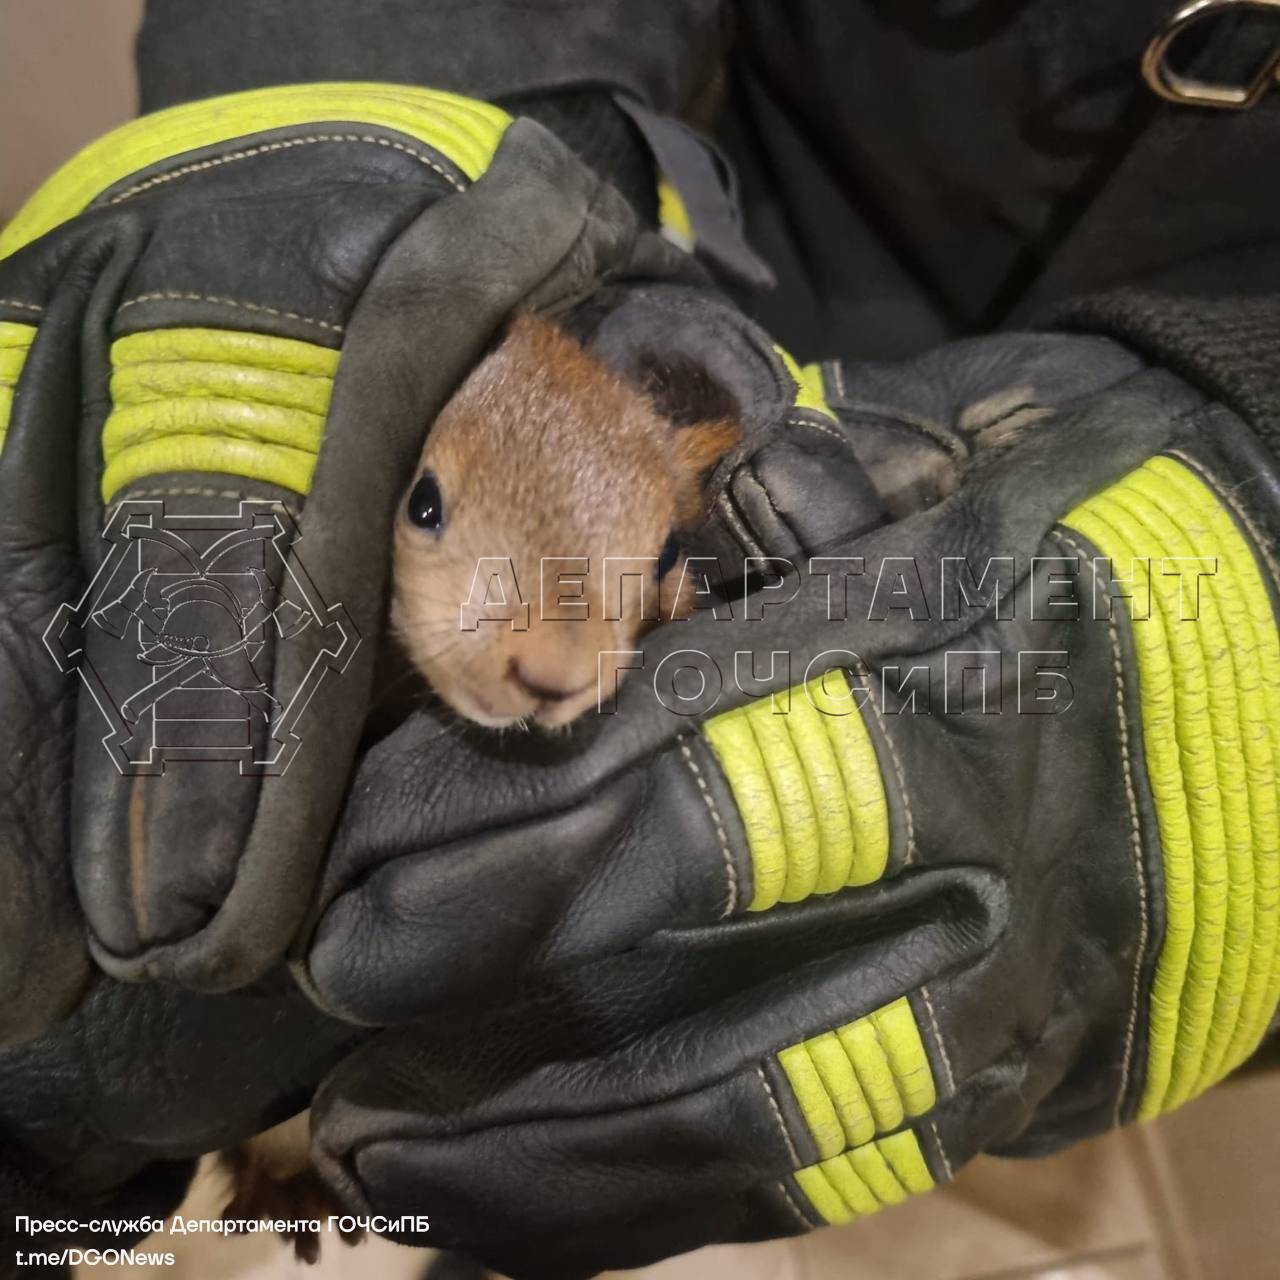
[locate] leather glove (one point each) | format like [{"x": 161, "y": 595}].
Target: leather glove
[
  {"x": 1000, "y": 871},
  {"x": 104, "y": 1117},
  {"x": 225, "y": 327},
  {"x": 264, "y": 301}
]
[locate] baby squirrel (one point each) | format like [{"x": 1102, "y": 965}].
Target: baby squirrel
[{"x": 542, "y": 452}]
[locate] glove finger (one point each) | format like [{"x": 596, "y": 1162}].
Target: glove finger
[
  {"x": 44, "y": 964},
  {"x": 628, "y": 1110},
  {"x": 794, "y": 481},
  {"x": 476, "y": 856},
  {"x": 914, "y": 426},
  {"x": 142, "y": 1073}
]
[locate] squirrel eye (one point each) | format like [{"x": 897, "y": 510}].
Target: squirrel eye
[
  {"x": 668, "y": 556},
  {"x": 426, "y": 507}
]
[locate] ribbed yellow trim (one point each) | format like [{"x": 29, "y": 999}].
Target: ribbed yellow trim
[
  {"x": 859, "y": 1080},
  {"x": 464, "y": 131},
  {"x": 808, "y": 787},
  {"x": 673, "y": 216},
  {"x": 216, "y": 400},
  {"x": 808, "y": 380},
  {"x": 858, "y": 1182},
  {"x": 1210, "y": 700},
  {"x": 15, "y": 343},
  {"x": 862, "y": 1079}
]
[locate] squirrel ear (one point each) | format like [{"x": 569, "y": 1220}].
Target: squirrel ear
[
  {"x": 698, "y": 449},
  {"x": 683, "y": 391}
]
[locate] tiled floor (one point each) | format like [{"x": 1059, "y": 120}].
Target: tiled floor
[{"x": 1193, "y": 1197}]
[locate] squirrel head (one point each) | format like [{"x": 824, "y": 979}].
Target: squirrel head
[{"x": 540, "y": 535}]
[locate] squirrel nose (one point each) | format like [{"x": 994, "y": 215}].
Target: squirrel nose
[{"x": 538, "y": 686}]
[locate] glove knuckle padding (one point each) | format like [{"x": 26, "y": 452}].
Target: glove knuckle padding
[
  {"x": 283, "y": 260},
  {"x": 807, "y": 783}
]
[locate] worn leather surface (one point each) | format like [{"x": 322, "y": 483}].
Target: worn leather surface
[
  {"x": 210, "y": 885},
  {"x": 105, "y": 1115},
  {"x": 205, "y": 878},
  {"x": 578, "y": 891},
  {"x": 403, "y": 828},
  {"x": 198, "y": 877},
  {"x": 626, "y": 1103}
]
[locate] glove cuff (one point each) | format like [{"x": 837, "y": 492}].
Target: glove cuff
[
  {"x": 1210, "y": 712},
  {"x": 1194, "y": 322}
]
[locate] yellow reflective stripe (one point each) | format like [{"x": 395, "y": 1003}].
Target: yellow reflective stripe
[
  {"x": 850, "y": 1084},
  {"x": 864, "y": 1180},
  {"x": 795, "y": 808},
  {"x": 856, "y": 1197},
  {"x": 212, "y": 400},
  {"x": 1211, "y": 739},
  {"x": 835, "y": 1070},
  {"x": 883, "y": 1079},
  {"x": 903, "y": 1155},
  {"x": 13, "y": 357},
  {"x": 464, "y": 131},
  {"x": 135, "y": 425},
  {"x": 808, "y": 786},
  {"x": 155, "y": 383},
  {"x": 863, "y": 786},
  {"x": 1257, "y": 648},
  {"x": 823, "y": 1196},
  {"x": 735, "y": 746},
  {"x": 244, "y": 349},
  {"x": 288, "y": 468},
  {"x": 673, "y": 216},
  {"x": 897, "y": 1032},
  {"x": 831, "y": 815},
  {"x": 874, "y": 1073},
  {"x": 813, "y": 1099},
  {"x": 808, "y": 380},
  {"x": 15, "y": 343},
  {"x": 870, "y": 1165}
]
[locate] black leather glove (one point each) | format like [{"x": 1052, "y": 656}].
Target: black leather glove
[
  {"x": 225, "y": 329},
  {"x": 769, "y": 967},
  {"x": 104, "y": 1117},
  {"x": 44, "y": 963},
  {"x": 240, "y": 314}
]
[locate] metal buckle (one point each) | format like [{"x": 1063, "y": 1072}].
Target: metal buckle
[{"x": 1162, "y": 79}]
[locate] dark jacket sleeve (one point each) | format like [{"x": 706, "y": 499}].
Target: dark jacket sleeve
[
  {"x": 659, "y": 51},
  {"x": 560, "y": 61},
  {"x": 1177, "y": 253},
  {"x": 1216, "y": 322}
]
